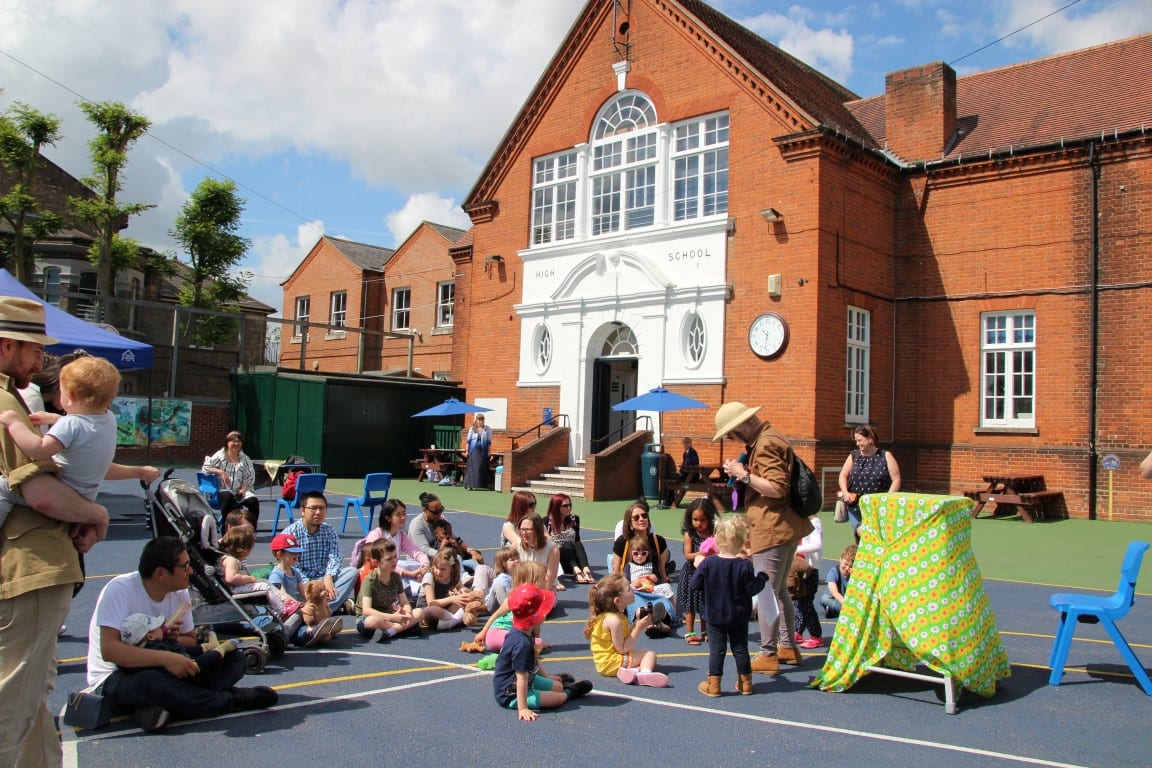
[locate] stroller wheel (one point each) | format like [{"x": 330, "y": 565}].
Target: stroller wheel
[
  {"x": 255, "y": 659},
  {"x": 277, "y": 645}
]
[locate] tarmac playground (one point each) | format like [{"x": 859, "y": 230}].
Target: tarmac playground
[{"x": 421, "y": 701}]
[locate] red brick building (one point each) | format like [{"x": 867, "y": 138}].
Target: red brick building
[
  {"x": 403, "y": 298},
  {"x": 960, "y": 261}
]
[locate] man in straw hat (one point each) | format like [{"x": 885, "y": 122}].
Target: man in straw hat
[
  {"x": 774, "y": 529},
  {"x": 38, "y": 562}
]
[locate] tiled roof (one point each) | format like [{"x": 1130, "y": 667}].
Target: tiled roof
[
  {"x": 451, "y": 234},
  {"x": 1070, "y": 96},
  {"x": 465, "y": 239},
  {"x": 821, "y": 97},
  {"x": 370, "y": 258}
]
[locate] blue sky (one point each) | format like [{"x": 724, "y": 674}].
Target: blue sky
[{"x": 360, "y": 118}]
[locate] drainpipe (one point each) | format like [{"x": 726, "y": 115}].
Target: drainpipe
[{"x": 1094, "y": 329}]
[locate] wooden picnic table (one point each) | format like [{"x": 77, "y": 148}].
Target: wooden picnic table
[
  {"x": 448, "y": 462},
  {"x": 1025, "y": 493},
  {"x": 704, "y": 478}
]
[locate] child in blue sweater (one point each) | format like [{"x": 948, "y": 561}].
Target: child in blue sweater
[
  {"x": 833, "y": 597},
  {"x": 728, "y": 583}
]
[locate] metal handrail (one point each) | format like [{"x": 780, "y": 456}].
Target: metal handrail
[
  {"x": 559, "y": 420},
  {"x": 606, "y": 440}
]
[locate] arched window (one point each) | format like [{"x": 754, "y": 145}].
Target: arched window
[
  {"x": 623, "y": 172},
  {"x": 621, "y": 342}
]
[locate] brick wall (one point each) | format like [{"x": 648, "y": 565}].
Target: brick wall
[
  {"x": 536, "y": 457},
  {"x": 615, "y": 472}
]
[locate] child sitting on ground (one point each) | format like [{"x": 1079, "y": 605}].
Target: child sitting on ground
[
  {"x": 444, "y": 599},
  {"x": 290, "y": 582},
  {"x": 502, "y": 564},
  {"x": 614, "y": 648},
  {"x": 516, "y": 682},
  {"x": 83, "y": 442},
  {"x": 496, "y": 629},
  {"x": 382, "y": 603},
  {"x": 728, "y": 583},
  {"x": 144, "y": 631},
  {"x": 833, "y": 598}
]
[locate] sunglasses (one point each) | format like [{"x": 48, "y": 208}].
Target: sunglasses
[{"x": 641, "y": 516}]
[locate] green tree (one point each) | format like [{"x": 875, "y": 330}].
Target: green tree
[
  {"x": 118, "y": 129},
  {"x": 206, "y": 229},
  {"x": 24, "y": 131}
]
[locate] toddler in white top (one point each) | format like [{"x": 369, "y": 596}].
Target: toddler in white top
[{"x": 83, "y": 442}]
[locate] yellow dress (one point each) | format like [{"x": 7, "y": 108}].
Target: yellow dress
[{"x": 604, "y": 653}]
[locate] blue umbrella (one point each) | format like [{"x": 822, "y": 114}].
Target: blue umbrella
[
  {"x": 451, "y": 407},
  {"x": 659, "y": 400}
]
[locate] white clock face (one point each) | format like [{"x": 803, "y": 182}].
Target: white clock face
[{"x": 768, "y": 334}]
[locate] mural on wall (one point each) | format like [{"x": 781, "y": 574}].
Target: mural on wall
[{"x": 170, "y": 422}]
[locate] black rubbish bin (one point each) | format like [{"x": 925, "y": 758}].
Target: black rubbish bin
[{"x": 651, "y": 462}]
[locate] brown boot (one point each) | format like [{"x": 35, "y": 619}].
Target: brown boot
[
  {"x": 710, "y": 687},
  {"x": 790, "y": 655},
  {"x": 744, "y": 685},
  {"x": 767, "y": 664}
]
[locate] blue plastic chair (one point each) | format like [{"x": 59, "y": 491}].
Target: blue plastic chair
[
  {"x": 1090, "y": 609},
  {"x": 209, "y": 486},
  {"x": 376, "y": 486},
  {"x": 305, "y": 483}
]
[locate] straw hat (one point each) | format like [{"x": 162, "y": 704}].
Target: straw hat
[
  {"x": 23, "y": 320},
  {"x": 731, "y": 415}
]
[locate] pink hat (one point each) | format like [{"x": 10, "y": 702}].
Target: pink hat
[{"x": 530, "y": 605}]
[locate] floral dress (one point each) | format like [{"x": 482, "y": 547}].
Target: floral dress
[{"x": 690, "y": 600}]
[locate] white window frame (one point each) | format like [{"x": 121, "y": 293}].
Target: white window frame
[
  {"x": 858, "y": 367},
  {"x": 338, "y": 309},
  {"x": 1008, "y": 369},
  {"x": 303, "y": 312},
  {"x": 445, "y": 304},
  {"x": 401, "y": 309},
  {"x": 699, "y": 164},
  {"x": 554, "y": 198}
]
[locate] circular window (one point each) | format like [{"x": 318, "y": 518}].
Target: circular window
[
  {"x": 542, "y": 348},
  {"x": 693, "y": 340}
]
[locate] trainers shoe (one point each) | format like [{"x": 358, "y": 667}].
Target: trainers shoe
[
  {"x": 767, "y": 664},
  {"x": 349, "y": 607},
  {"x": 578, "y": 689},
  {"x": 259, "y": 697},
  {"x": 813, "y": 642},
  {"x": 315, "y": 635},
  {"x": 151, "y": 718},
  {"x": 626, "y": 676},
  {"x": 799, "y": 638},
  {"x": 363, "y": 630},
  {"x": 652, "y": 679},
  {"x": 333, "y": 627},
  {"x": 659, "y": 613}
]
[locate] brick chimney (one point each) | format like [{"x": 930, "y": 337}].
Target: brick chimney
[{"x": 920, "y": 110}]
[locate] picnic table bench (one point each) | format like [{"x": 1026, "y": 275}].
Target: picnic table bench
[
  {"x": 705, "y": 478},
  {"x": 1026, "y": 493}
]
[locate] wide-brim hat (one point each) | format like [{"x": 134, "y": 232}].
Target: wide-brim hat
[
  {"x": 286, "y": 542},
  {"x": 731, "y": 415},
  {"x": 530, "y": 605},
  {"x": 23, "y": 320}
]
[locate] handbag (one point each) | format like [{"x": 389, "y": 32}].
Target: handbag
[{"x": 841, "y": 515}]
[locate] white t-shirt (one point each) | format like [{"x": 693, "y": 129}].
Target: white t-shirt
[{"x": 120, "y": 598}]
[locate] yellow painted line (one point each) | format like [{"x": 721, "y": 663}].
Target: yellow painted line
[{"x": 366, "y": 676}]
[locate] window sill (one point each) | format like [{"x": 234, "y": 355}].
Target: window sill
[
  {"x": 443, "y": 330},
  {"x": 335, "y": 335},
  {"x": 1032, "y": 431},
  {"x": 298, "y": 339}
]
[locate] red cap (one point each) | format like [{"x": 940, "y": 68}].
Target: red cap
[{"x": 286, "y": 542}]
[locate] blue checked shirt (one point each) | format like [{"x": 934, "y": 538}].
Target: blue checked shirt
[{"x": 321, "y": 556}]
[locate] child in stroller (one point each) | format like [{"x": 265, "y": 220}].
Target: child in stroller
[{"x": 177, "y": 508}]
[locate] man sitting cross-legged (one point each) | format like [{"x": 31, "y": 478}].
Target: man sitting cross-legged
[{"x": 162, "y": 684}]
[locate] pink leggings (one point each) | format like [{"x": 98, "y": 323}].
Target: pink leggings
[{"x": 494, "y": 639}]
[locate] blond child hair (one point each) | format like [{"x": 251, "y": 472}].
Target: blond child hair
[
  {"x": 731, "y": 532},
  {"x": 90, "y": 381},
  {"x": 530, "y": 572}
]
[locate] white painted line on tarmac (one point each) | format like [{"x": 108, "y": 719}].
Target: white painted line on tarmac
[{"x": 836, "y": 730}]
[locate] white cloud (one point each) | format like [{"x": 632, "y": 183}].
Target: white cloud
[
  {"x": 1075, "y": 27},
  {"x": 827, "y": 50},
  {"x": 425, "y": 206},
  {"x": 273, "y": 258}
]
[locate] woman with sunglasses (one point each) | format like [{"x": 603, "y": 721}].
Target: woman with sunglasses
[
  {"x": 237, "y": 477},
  {"x": 638, "y": 525},
  {"x": 564, "y": 530},
  {"x": 536, "y": 547}
]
